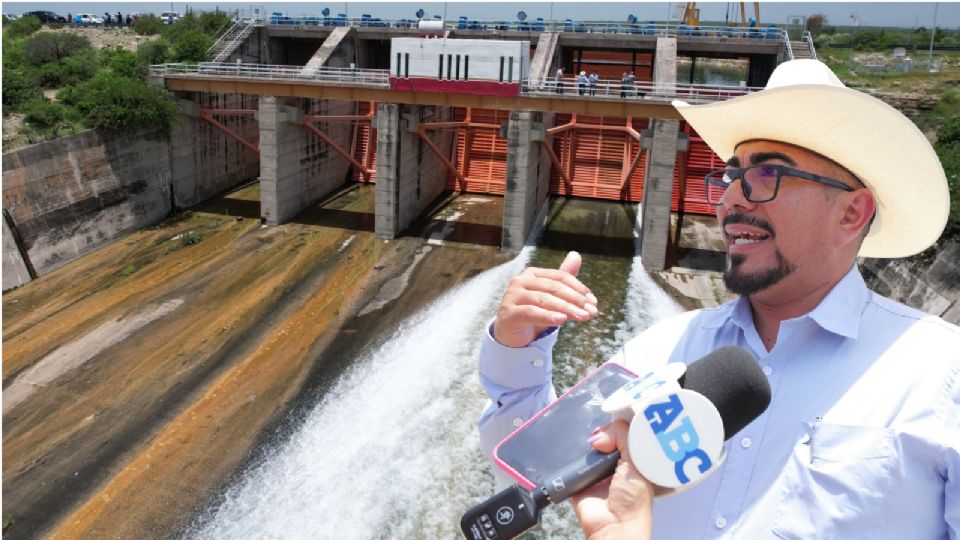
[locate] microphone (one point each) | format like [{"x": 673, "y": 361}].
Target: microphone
[{"x": 723, "y": 391}]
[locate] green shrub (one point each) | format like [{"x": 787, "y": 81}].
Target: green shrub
[
  {"x": 18, "y": 88},
  {"x": 47, "y": 47},
  {"x": 188, "y": 23},
  {"x": 114, "y": 102},
  {"x": 148, "y": 25},
  {"x": 949, "y": 133},
  {"x": 212, "y": 23},
  {"x": 191, "y": 46},
  {"x": 153, "y": 52},
  {"x": 949, "y": 155},
  {"x": 21, "y": 27},
  {"x": 124, "y": 62},
  {"x": 43, "y": 114},
  {"x": 71, "y": 70}
]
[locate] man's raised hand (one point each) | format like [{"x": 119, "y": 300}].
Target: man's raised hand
[{"x": 540, "y": 298}]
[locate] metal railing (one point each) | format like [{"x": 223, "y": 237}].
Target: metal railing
[
  {"x": 380, "y": 78},
  {"x": 371, "y": 78},
  {"x": 644, "y": 90},
  {"x": 808, "y": 38},
  {"x": 592, "y": 27},
  {"x": 232, "y": 37}
]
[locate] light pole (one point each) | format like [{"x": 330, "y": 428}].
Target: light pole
[
  {"x": 933, "y": 34},
  {"x": 856, "y": 25}
]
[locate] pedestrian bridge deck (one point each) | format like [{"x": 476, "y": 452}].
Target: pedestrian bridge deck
[{"x": 644, "y": 99}]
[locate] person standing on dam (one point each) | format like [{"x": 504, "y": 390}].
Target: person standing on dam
[{"x": 862, "y": 437}]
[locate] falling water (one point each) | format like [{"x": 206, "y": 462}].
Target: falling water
[{"x": 391, "y": 450}]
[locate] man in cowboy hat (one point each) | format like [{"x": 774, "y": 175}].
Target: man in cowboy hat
[{"x": 862, "y": 436}]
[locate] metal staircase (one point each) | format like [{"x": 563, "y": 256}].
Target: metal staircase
[
  {"x": 804, "y": 48},
  {"x": 232, "y": 38}
]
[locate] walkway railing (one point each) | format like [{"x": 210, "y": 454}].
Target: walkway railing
[
  {"x": 607, "y": 89},
  {"x": 808, "y": 37},
  {"x": 593, "y": 27},
  {"x": 371, "y": 78},
  {"x": 644, "y": 90}
]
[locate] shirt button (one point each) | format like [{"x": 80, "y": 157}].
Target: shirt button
[
  {"x": 517, "y": 422},
  {"x": 538, "y": 362},
  {"x": 767, "y": 370},
  {"x": 721, "y": 522},
  {"x": 746, "y": 442}
]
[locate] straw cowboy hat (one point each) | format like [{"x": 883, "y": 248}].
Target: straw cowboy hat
[{"x": 805, "y": 104}]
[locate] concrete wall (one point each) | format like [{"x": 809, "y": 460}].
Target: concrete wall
[
  {"x": 15, "y": 271},
  {"x": 298, "y": 167},
  {"x": 253, "y": 50},
  {"x": 930, "y": 287},
  {"x": 409, "y": 175},
  {"x": 68, "y": 196},
  {"x": 204, "y": 160}
]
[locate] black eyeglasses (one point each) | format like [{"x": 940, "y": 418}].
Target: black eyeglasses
[{"x": 760, "y": 183}]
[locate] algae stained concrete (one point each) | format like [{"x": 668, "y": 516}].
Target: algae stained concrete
[{"x": 136, "y": 439}]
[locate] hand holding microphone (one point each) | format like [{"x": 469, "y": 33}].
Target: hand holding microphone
[
  {"x": 679, "y": 418},
  {"x": 622, "y": 505}
]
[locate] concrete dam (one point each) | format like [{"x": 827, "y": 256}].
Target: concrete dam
[{"x": 265, "y": 324}]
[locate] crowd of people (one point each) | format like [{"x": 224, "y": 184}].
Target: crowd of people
[
  {"x": 587, "y": 84},
  {"x": 109, "y": 20}
]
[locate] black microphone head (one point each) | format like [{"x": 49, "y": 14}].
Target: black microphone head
[{"x": 733, "y": 381}]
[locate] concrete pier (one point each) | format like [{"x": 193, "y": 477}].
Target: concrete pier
[
  {"x": 662, "y": 141},
  {"x": 528, "y": 177},
  {"x": 297, "y": 168},
  {"x": 410, "y": 175}
]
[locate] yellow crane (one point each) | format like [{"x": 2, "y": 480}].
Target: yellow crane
[{"x": 689, "y": 14}]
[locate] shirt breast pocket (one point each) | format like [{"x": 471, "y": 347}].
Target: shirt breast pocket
[{"x": 834, "y": 482}]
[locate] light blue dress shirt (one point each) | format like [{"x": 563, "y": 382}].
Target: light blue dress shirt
[{"x": 861, "y": 439}]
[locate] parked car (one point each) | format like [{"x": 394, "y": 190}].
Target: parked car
[
  {"x": 87, "y": 19},
  {"x": 46, "y": 16},
  {"x": 169, "y": 17}
]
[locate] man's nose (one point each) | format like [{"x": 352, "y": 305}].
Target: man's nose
[{"x": 733, "y": 196}]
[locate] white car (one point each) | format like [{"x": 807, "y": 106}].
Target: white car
[
  {"x": 86, "y": 19},
  {"x": 169, "y": 17}
]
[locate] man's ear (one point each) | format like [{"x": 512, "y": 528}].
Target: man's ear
[{"x": 859, "y": 207}]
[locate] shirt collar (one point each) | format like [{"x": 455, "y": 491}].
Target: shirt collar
[{"x": 839, "y": 312}]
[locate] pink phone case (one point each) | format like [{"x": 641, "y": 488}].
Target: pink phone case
[{"x": 522, "y": 480}]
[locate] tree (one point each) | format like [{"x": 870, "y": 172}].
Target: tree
[
  {"x": 18, "y": 88},
  {"x": 47, "y": 47},
  {"x": 148, "y": 25},
  {"x": 115, "y": 102},
  {"x": 153, "y": 52},
  {"x": 21, "y": 27},
  {"x": 191, "y": 46},
  {"x": 815, "y": 23}
]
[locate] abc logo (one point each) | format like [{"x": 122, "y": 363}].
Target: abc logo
[{"x": 677, "y": 436}]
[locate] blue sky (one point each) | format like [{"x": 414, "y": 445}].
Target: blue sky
[{"x": 903, "y": 14}]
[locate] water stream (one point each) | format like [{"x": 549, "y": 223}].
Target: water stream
[{"x": 391, "y": 451}]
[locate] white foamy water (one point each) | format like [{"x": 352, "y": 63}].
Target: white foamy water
[{"x": 392, "y": 451}]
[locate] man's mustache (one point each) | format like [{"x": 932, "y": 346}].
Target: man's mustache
[{"x": 747, "y": 219}]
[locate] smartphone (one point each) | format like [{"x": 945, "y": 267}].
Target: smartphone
[{"x": 556, "y": 437}]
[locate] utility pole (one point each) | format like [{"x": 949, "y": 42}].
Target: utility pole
[{"x": 933, "y": 34}]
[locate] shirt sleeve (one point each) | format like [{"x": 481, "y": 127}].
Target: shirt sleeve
[
  {"x": 519, "y": 383},
  {"x": 951, "y": 464}
]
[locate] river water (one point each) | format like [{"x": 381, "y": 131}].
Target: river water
[{"x": 391, "y": 450}]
